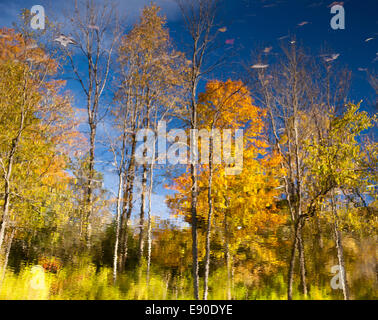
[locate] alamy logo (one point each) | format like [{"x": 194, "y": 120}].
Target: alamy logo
[
  {"x": 37, "y": 21},
  {"x": 336, "y": 281},
  {"x": 338, "y": 20},
  {"x": 177, "y": 151}
]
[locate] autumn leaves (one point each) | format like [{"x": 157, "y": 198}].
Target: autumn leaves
[
  {"x": 37, "y": 129},
  {"x": 238, "y": 206},
  {"x": 261, "y": 170}
]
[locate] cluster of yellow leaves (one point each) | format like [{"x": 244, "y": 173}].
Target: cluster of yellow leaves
[
  {"x": 149, "y": 61},
  {"x": 246, "y": 201}
]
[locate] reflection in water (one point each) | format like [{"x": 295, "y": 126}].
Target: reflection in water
[{"x": 259, "y": 267}]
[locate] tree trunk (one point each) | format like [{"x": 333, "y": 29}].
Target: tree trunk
[
  {"x": 5, "y": 264},
  {"x": 297, "y": 245},
  {"x": 209, "y": 216},
  {"x": 228, "y": 266},
  {"x": 121, "y": 178},
  {"x": 89, "y": 204},
  {"x": 194, "y": 233},
  {"x": 292, "y": 265},
  {"x": 144, "y": 189},
  {"x": 302, "y": 262},
  {"x": 149, "y": 223},
  {"x": 340, "y": 251},
  {"x": 149, "y": 227},
  {"x": 141, "y": 217},
  {"x": 340, "y": 256},
  {"x": 227, "y": 252},
  {"x": 128, "y": 203},
  {"x": 118, "y": 227},
  {"x": 7, "y": 178},
  {"x": 194, "y": 191},
  {"x": 4, "y": 220}
]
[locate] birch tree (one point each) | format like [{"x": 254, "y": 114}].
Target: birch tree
[
  {"x": 298, "y": 96},
  {"x": 152, "y": 77},
  {"x": 95, "y": 32},
  {"x": 199, "y": 17}
]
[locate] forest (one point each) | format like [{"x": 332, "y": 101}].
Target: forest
[{"x": 136, "y": 166}]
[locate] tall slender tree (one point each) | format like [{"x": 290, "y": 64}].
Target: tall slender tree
[
  {"x": 153, "y": 74},
  {"x": 95, "y": 32},
  {"x": 199, "y": 17}
]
